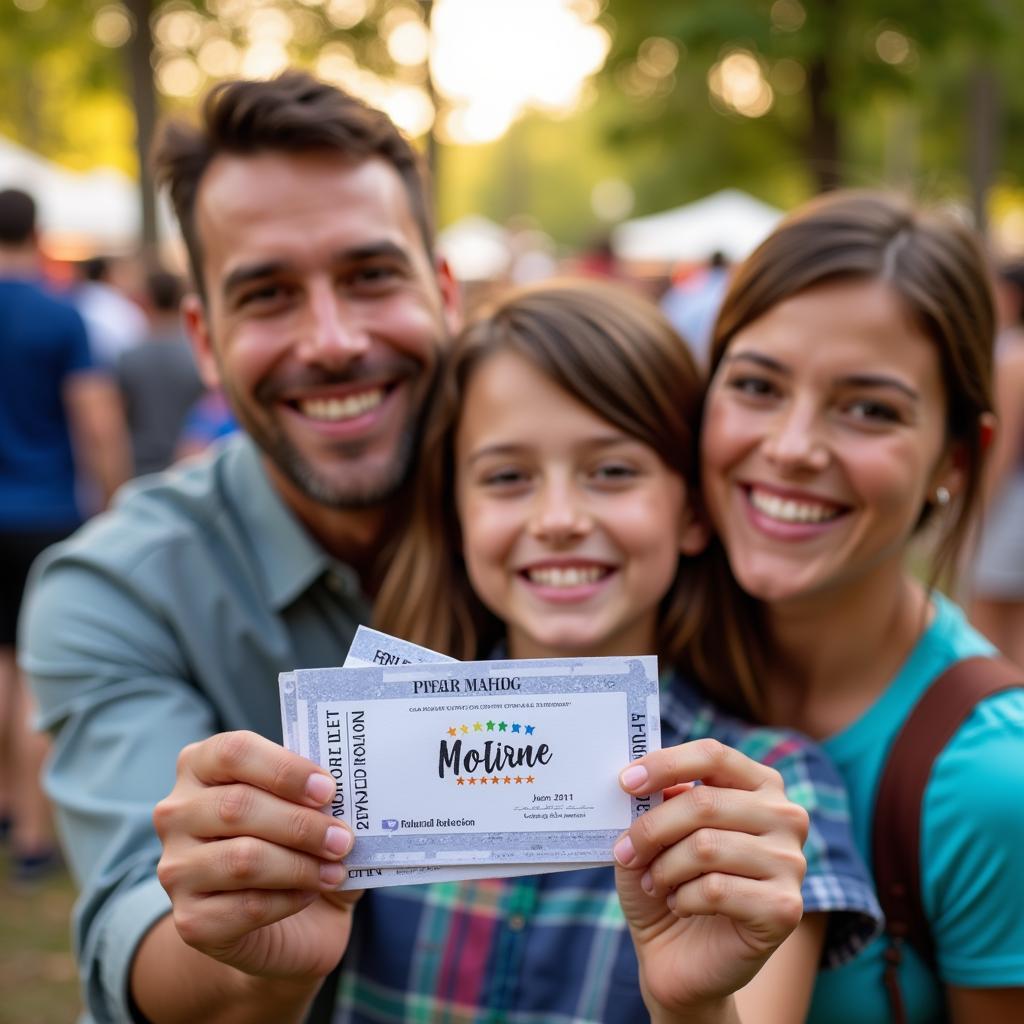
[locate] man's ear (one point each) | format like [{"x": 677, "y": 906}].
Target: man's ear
[
  {"x": 194, "y": 315},
  {"x": 451, "y": 295}
]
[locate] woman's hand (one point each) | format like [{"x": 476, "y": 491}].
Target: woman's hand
[{"x": 710, "y": 879}]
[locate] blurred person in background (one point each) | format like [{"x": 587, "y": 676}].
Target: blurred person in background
[
  {"x": 55, "y": 417},
  {"x": 997, "y": 607},
  {"x": 114, "y": 322},
  {"x": 692, "y": 302},
  {"x": 159, "y": 380},
  {"x": 596, "y": 260},
  {"x": 532, "y": 251},
  {"x": 209, "y": 420}
]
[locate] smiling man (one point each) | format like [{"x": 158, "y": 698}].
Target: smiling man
[
  {"x": 320, "y": 307},
  {"x": 155, "y": 635},
  {"x": 321, "y": 320}
]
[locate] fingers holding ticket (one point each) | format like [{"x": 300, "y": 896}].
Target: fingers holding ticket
[
  {"x": 710, "y": 879},
  {"x": 247, "y": 853}
]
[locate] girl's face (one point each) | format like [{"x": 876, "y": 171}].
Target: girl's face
[
  {"x": 823, "y": 439},
  {"x": 571, "y": 529}
]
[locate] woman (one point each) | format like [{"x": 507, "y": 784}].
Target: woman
[
  {"x": 849, "y": 408},
  {"x": 555, "y": 517}
]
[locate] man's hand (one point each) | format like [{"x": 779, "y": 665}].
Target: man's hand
[
  {"x": 709, "y": 880},
  {"x": 250, "y": 860}
]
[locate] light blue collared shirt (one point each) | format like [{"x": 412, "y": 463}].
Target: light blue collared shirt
[{"x": 159, "y": 623}]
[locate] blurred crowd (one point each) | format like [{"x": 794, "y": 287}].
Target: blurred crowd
[{"x": 97, "y": 384}]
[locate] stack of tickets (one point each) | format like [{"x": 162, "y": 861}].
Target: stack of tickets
[{"x": 451, "y": 770}]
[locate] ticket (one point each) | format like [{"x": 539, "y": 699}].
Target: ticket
[
  {"x": 486, "y": 763},
  {"x": 371, "y": 647}
]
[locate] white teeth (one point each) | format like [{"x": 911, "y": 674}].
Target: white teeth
[
  {"x": 786, "y": 510},
  {"x": 348, "y": 408},
  {"x": 569, "y": 576}
]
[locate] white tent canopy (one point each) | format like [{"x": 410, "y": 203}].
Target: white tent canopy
[
  {"x": 730, "y": 222},
  {"x": 476, "y": 248},
  {"x": 79, "y": 214}
]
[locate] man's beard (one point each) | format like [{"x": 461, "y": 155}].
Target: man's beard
[
  {"x": 349, "y": 494},
  {"x": 343, "y": 491}
]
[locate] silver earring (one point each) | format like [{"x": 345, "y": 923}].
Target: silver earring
[{"x": 942, "y": 495}]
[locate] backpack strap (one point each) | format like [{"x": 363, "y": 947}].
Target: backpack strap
[{"x": 896, "y": 833}]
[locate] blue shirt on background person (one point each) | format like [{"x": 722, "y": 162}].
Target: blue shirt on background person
[{"x": 42, "y": 343}]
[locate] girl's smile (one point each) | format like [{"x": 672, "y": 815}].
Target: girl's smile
[{"x": 567, "y": 580}]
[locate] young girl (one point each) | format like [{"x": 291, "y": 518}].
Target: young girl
[
  {"x": 555, "y": 518},
  {"x": 848, "y": 409}
]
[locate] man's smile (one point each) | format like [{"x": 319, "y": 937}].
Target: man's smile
[{"x": 334, "y": 409}]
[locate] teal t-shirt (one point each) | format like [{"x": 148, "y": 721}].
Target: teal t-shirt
[{"x": 972, "y": 841}]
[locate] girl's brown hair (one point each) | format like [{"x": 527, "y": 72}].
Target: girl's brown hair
[
  {"x": 608, "y": 349},
  {"x": 937, "y": 267}
]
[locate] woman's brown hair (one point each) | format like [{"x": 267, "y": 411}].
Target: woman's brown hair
[
  {"x": 608, "y": 349},
  {"x": 938, "y": 269}
]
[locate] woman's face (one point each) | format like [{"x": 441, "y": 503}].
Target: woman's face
[
  {"x": 571, "y": 529},
  {"x": 823, "y": 439}
]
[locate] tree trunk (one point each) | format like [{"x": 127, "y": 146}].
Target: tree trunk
[
  {"x": 823, "y": 141},
  {"x": 433, "y": 155},
  {"x": 143, "y": 97},
  {"x": 984, "y": 115}
]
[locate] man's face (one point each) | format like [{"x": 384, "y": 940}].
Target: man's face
[{"x": 323, "y": 319}]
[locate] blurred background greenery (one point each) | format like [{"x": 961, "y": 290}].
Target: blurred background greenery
[
  {"x": 577, "y": 113},
  {"x": 38, "y": 977}
]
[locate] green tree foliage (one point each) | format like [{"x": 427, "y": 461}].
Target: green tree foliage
[
  {"x": 919, "y": 92},
  {"x": 59, "y": 83},
  {"x": 86, "y": 80},
  {"x": 862, "y": 91},
  {"x": 68, "y": 84}
]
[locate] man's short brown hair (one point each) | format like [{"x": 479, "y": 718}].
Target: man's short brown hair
[{"x": 293, "y": 113}]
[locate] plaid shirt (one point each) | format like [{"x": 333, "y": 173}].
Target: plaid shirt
[{"x": 555, "y": 948}]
